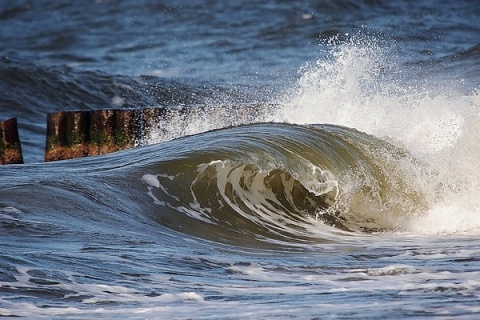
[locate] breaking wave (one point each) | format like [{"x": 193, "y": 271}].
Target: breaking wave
[{"x": 288, "y": 183}]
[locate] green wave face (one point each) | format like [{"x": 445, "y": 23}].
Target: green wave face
[{"x": 286, "y": 183}]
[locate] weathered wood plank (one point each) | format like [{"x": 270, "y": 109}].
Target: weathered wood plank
[
  {"x": 10, "y": 147},
  {"x": 74, "y": 134}
]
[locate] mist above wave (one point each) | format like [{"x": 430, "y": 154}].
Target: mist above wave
[{"x": 362, "y": 84}]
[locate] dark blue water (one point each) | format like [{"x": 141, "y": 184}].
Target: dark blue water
[{"x": 354, "y": 195}]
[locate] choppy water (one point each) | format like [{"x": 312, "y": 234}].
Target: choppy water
[{"x": 353, "y": 195}]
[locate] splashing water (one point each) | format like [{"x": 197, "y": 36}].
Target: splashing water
[{"x": 358, "y": 86}]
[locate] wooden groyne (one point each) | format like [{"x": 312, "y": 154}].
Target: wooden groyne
[
  {"x": 74, "y": 134},
  {"x": 78, "y": 134},
  {"x": 10, "y": 147}
]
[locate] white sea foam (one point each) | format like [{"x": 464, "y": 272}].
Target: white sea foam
[
  {"x": 358, "y": 86},
  {"x": 350, "y": 88},
  {"x": 281, "y": 286},
  {"x": 151, "y": 180}
]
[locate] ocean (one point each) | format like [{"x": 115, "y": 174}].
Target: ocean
[{"x": 351, "y": 194}]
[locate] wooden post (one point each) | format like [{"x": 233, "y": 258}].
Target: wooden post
[
  {"x": 10, "y": 147},
  {"x": 76, "y": 133},
  {"x": 102, "y": 132},
  {"x": 128, "y": 128},
  {"x": 56, "y": 137}
]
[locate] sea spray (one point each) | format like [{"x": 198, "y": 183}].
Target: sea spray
[
  {"x": 361, "y": 83},
  {"x": 358, "y": 86}
]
